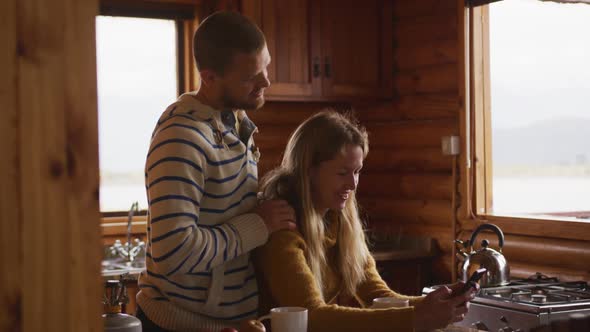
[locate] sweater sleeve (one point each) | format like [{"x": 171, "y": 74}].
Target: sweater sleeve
[
  {"x": 289, "y": 281},
  {"x": 175, "y": 182},
  {"x": 373, "y": 286}
]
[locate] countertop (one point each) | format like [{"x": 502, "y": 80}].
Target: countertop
[{"x": 405, "y": 248}]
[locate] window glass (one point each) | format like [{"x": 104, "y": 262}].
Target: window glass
[
  {"x": 540, "y": 80},
  {"x": 137, "y": 80}
]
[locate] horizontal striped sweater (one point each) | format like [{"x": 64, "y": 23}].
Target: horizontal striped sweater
[{"x": 201, "y": 182}]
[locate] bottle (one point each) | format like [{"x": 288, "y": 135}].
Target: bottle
[{"x": 115, "y": 321}]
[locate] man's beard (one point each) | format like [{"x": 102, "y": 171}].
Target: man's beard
[{"x": 231, "y": 103}]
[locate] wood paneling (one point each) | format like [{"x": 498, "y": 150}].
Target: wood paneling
[
  {"x": 412, "y": 9},
  {"x": 406, "y": 155},
  {"x": 411, "y": 134},
  {"x": 427, "y": 106},
  {"x": 10, "y": 213},
  {"x": 432, "y": 79},
  {"x": 437, "y": 52},
  {"x": 406, "y": 185},
  {"x": 416, "y": 30},
  {"x": 50, "y": 218},
  {"x": 418, "y": 212},
  {"x": 408, "y": 159}
]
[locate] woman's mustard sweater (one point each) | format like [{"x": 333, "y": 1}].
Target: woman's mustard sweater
[{"x": 285, "y": 279}]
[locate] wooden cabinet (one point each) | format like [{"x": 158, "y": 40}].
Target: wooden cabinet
[{"x": 326, "y": 49}]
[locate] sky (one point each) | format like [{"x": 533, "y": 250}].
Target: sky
[
  {"x": 136, "y": 66},
  {"x": 539, "y": 61}
]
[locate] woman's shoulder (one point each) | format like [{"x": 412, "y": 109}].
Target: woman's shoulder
[
  {"x": 283, "y": 241},
  {"x": 281, "y": 245},
  {"x": 286, "y": 237}
]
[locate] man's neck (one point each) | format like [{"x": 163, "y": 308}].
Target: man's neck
[{"x": 208, "y": 99}]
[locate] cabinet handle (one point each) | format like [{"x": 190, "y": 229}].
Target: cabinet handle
[
  {"x": 316, "y": 67},
  {"x": 327, "y": 68}
]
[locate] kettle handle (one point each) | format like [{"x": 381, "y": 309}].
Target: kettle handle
[{"x": 490, "y": 227}]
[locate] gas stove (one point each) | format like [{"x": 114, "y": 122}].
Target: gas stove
[{"x": 525, "y": 304}]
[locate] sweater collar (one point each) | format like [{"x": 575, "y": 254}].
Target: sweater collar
[{"x": 199, "y": 111}]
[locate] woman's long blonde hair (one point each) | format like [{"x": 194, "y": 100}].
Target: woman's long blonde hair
[{"x": 320, "y": 138}]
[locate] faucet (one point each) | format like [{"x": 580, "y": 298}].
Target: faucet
[
  {"x": 128, "y": 251},
  {"x": 134, "y": 208}
]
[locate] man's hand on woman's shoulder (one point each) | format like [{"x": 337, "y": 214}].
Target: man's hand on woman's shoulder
[{"x": 277, "y": 214}]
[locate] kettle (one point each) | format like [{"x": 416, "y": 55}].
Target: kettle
[
  {"x": 498, "y": 273},
  {"x": 113, "y": 320}
]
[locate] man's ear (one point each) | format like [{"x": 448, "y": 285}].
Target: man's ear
[{"x": 208, "y": 77}]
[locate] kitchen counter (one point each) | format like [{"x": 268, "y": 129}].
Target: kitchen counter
[
  {"x": 400, "y": 254},
  {"x": 405, "y": 263}
]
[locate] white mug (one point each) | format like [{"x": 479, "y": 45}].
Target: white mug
[
  {"x": 287, "y": 319},
  {"x": 389, "y": 302}
]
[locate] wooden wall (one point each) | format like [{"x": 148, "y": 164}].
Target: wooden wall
[
  {"x": 407, "y": 187},
  {"x": 49, "y": 220}
]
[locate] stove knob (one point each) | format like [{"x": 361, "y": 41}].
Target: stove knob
[{"x": 480, "y": 326}]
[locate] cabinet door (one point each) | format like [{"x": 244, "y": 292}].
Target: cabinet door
[
  {"x": 287, "y": 27},
  {"x": 356, "y": 42}
]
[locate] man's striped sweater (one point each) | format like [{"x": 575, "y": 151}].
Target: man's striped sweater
[{"x": 201, "y": 181}]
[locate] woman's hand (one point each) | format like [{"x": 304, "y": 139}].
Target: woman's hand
[{"x": 442, "y": 307}]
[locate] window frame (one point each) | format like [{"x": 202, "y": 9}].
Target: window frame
[
  {"x": 186, "y": 14},
  {"x": 475, "y": 124}
]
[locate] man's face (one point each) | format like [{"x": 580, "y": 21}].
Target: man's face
[{"x": 244, "y": 81}]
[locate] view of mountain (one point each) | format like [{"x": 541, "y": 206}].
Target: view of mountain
[{"x": 560, "y": 142}]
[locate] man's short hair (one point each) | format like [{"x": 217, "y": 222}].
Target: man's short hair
[{"x": 221, "y": 36}]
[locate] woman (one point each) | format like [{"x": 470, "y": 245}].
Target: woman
[{"x": 326, "y": 262}]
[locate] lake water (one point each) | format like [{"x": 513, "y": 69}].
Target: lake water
[{"x": 541, "y": 194}]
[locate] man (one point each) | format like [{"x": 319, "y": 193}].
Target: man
[{"x": 202, "y": 181}]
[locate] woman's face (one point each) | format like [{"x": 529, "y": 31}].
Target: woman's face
[{"x": 334, "y": 181}]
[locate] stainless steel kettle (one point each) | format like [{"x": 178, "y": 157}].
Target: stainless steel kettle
[{"x": 498, "y": 273}]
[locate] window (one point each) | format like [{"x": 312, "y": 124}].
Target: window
[
  {"x": 532, "y": 119},
  {"x": 137, "y": 79}
]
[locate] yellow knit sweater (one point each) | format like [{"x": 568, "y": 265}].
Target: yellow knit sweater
[{"x": 285, "y": 279}]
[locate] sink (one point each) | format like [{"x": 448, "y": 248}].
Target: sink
[{"x": 114, "y": 267}]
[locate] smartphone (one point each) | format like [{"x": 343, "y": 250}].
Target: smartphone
[{"x": 475, "y": 277}]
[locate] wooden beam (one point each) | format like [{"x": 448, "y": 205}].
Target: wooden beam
[
  {"x": 433, "y": 106},
  {"x": 414, "y": 134},
  {"x": 11, "y": 235},
  {"x": 407, "y": 159},
  {"x": 423, "y": 212},
  {"x": 406, "y": 185},
  {"x": 48, "y": 134}
]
